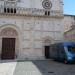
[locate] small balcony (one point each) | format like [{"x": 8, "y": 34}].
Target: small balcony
[{"x": 31, "y": 12}]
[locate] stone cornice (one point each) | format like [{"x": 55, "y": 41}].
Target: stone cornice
[{"x": 3, "y": 14}]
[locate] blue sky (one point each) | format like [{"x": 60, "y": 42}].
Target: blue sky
[{"x": 69, "y": 7}]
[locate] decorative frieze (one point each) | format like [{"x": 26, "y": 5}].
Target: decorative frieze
[
  {"x": 9, "y": 32},
  {"x": 32, "y": 12}
]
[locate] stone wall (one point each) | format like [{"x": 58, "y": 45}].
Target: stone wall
[
  {"x": 56, "y": 4},
  {"x": 68, "y": 22},
  {"x": 33, "y": 33}
]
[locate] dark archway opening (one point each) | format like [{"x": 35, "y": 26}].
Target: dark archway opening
[{"x": 47, "y": 54}]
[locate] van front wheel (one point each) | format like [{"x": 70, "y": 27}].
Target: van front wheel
[{"x": 65, "y": 61}]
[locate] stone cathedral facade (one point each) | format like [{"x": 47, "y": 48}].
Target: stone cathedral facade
[{"x": 28, "y": 26}]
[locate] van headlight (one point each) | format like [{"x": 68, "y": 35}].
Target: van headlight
[{"x": 69, "y": 58}]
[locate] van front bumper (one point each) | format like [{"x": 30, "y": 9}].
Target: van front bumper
[{"x": 71, "y": 60}]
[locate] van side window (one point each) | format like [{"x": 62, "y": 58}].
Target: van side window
[{"x": 61, "y": 47}]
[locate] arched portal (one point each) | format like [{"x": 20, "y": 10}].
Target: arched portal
[
  {"x": 47, "y": 41},
  {"x": 9, "y": 41}
]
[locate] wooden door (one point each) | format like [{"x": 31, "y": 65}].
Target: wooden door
[{"x": 8, "y": 48}]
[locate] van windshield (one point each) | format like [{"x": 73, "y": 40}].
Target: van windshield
[{"x": 71, "y": 48}]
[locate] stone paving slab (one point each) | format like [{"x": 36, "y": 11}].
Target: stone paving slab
[
  {"x": 7, "y": 68},
  {"x": 26, "y": 68}
]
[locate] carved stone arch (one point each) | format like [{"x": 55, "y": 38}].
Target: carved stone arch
[
  {"x": 47, "y": 40},
  {"x": 13, "y": 26},
  {"x": 11, "y": 31},
  {"x": 46, "y": 46}
]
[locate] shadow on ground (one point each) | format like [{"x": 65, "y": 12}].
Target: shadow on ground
[
  {"x": 39, "y": 67},
  {"x": 43, "y": 68}
]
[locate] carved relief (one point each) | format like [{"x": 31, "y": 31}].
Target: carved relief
[
  {"x": 47, "y": 40},
  {"x": 9, "y": 32},
  {"x": 10, "y": 3},
  {"x": 46, "y": 4}
]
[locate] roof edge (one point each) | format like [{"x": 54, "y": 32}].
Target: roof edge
[{"x": 68, "y": 15}]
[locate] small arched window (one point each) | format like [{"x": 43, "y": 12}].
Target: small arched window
[
  {"x": 47, "y": 13},
  {"x": 10, "y": 10}
]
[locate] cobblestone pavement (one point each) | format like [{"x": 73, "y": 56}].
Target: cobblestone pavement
[{"x": 47, "y": 67}]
